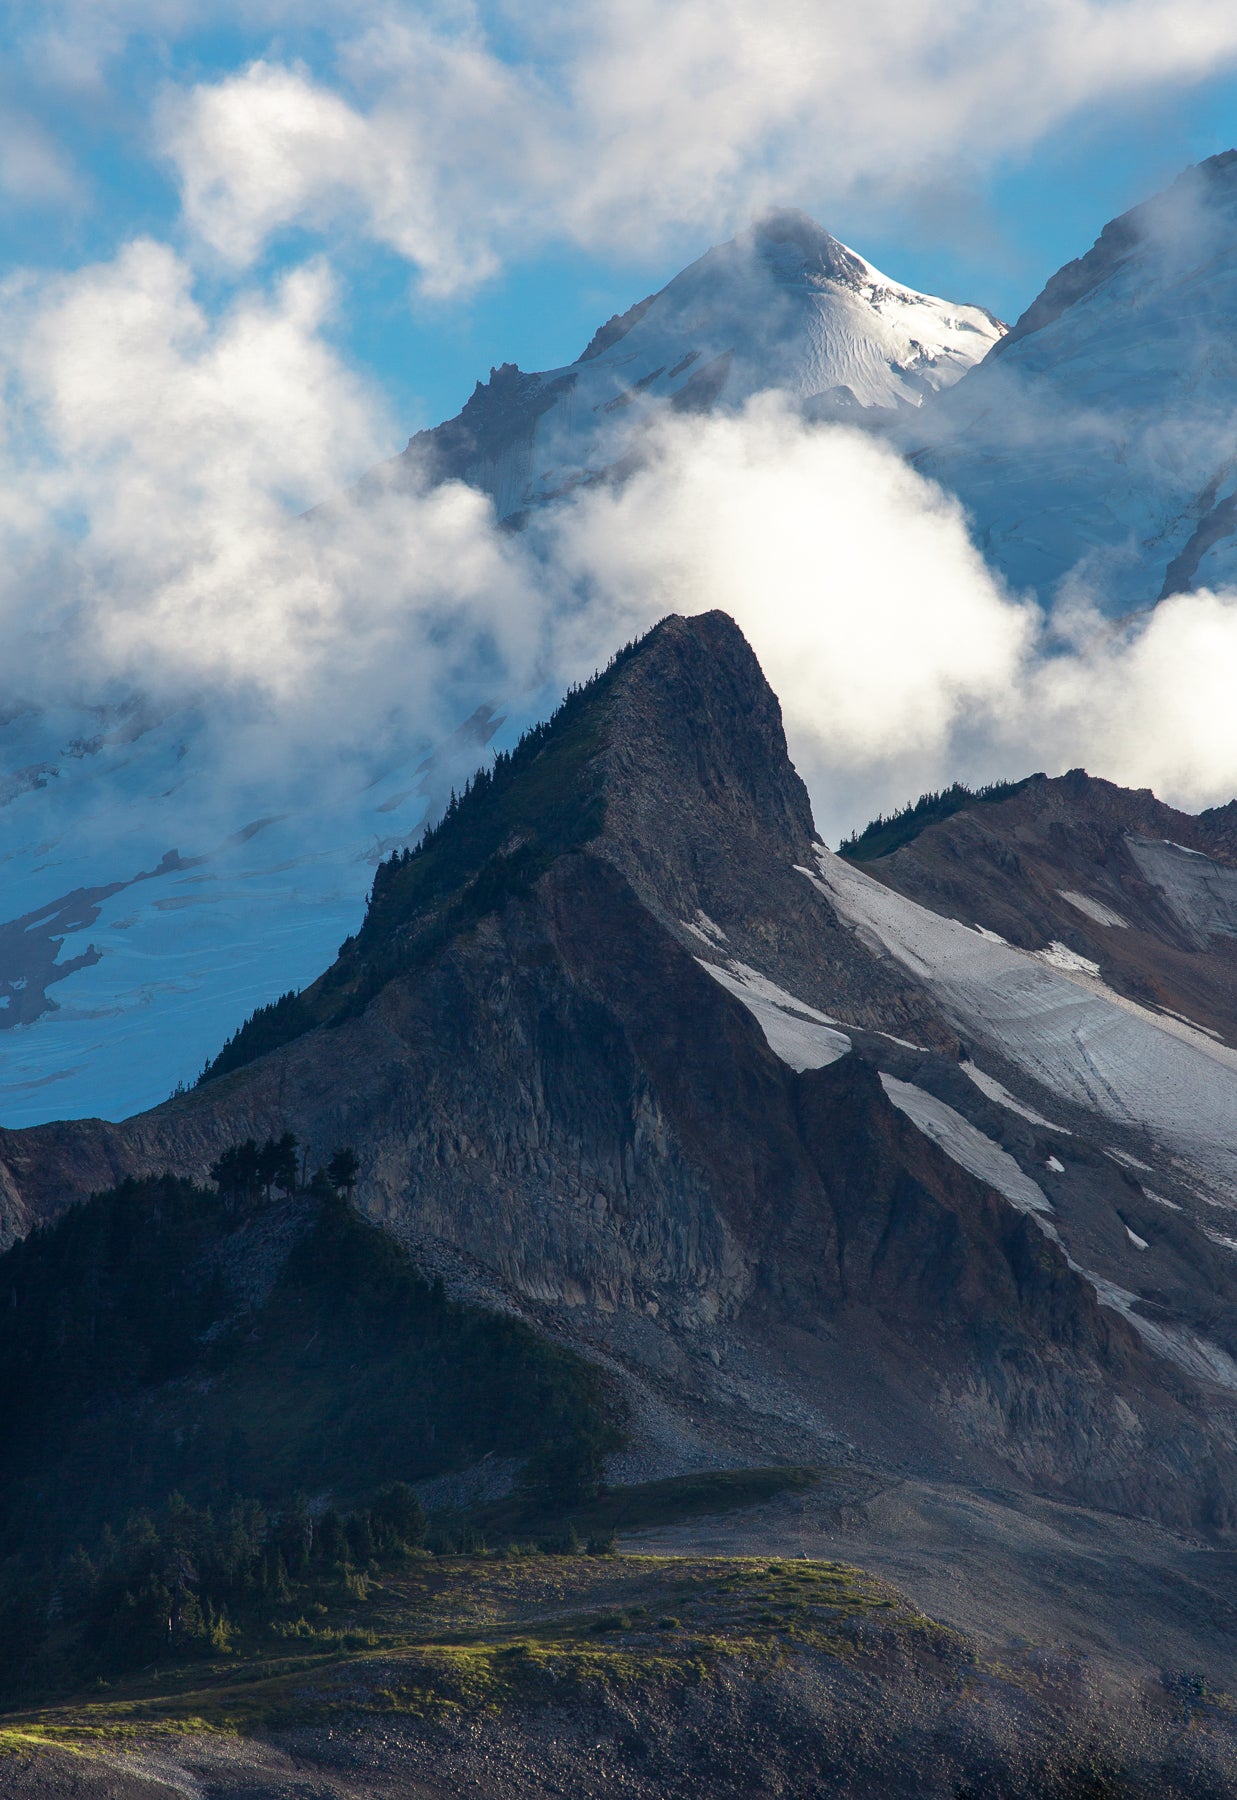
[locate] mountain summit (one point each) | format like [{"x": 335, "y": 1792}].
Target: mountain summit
[
  {"x": 806, "y": 1172},
  {"x": 611, "y": 1052},
  {"x": 784, "y": 305},
  {"x": 1096, "y": 441}
]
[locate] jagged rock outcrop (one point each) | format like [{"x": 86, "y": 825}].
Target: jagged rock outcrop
[{"x": 536, "y": 1048}]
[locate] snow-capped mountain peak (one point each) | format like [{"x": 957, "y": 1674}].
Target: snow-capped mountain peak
[
  {"x": 783, "y": 305},
  {"x": 1096, "y": 443}
]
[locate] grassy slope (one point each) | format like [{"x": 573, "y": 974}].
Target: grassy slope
[
  {"x": 475, "y": 1633},
  {"x": 812, "y": 1670}
]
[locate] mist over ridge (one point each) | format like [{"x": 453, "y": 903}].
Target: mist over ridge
[{"x": 279, "y": 703}]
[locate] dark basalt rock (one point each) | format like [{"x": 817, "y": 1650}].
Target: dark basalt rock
[
  {"x": 1007, "y": 865},
  {"x": 544, "y": 1086}
]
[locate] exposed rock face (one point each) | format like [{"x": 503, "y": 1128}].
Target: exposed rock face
[
  {"x": 540, "y": 1077},
  {"x": 1146, "y": 892}
]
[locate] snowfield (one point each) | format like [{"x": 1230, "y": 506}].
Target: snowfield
[
  {"x": 1070, "y": 1034},
  {"x": 154, "y": 915},
  {"x": 801, "y": 1036}
]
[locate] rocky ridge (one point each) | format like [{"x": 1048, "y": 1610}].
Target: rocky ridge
[{"x": 610, "y": 1054}]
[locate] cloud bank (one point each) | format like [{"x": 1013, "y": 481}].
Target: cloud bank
[
  {"x": 153, "y": 467},
  {"x": 465, "y": 136},
  {"x": 901, "y": 660},
  {"x": 152, "y": 470}
]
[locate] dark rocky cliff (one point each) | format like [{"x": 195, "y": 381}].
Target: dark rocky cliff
[
  {"x": 1161, "y": 886},
  {"x": 546, "y": 1089}
]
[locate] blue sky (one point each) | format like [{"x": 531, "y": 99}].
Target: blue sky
[{"x": 977, "y": 203}]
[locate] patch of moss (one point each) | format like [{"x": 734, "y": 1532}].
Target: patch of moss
[{"x": 460, "y": 1634}]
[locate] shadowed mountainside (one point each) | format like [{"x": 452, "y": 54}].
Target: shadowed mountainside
[
  {"x": 1147, "y": 893},
  {"x": 552, "y": 1046}
]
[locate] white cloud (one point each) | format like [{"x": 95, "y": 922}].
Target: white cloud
[
  {"x": 872, "y": 614},
  {"x": 612, "y": 124},
  {"x": 153, "y": 465},
  {"x": 1149, "y": 704},
  {"x": 153, "y": 460},
  {"x": 901, "y": 661}
]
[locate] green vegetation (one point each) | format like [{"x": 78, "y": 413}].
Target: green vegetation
[
  {"x": 187, "y": 1361},
  {"x": 494, "y": 840},
  {"x": 266, "y": 1029},
  {"x": 884, "y": 835},
  {"x": 187, "y": 1583},
  {"x": 428, "y": 1637}
]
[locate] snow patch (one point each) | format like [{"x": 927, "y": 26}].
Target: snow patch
[
  {"x": 803, "y": 1037},
  {"x": 1094, "y": 909},
  {"x": 1056, "y": 1165},
  {"x": 1128, "y": 1161},
  {"x": 1138, "y": 1242},
  {"x": 703, "y": 927},
  {"x": 1200, "y": 1359},
  {"x": 969, "y": 1147},
  {"x": 989, "y": 1085},
  {"x": 1200, "y": 894},
  {"x": 1060, "y": 956}
]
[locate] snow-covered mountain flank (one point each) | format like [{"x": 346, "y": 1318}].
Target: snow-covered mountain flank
[
  {"x": 783, "y": 306},
  {"x": 1097, "y": 442}
]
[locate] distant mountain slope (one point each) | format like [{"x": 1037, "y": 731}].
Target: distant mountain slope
[
  {"x": 1083, "y": 938},
  {"x": 608, "y": 1053},
  {"x": 782, "y": 306},
  {"x": 1097, "y": 439},
  {"x": 143, "y": 914},
  {"x": 1146, "y": 892}
]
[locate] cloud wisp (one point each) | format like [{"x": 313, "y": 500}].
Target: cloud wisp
[
  {"x": 465, "y": 137},
  {"x": 156, "y": 465}
]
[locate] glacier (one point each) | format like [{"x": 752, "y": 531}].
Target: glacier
[{"x": 1095, "y": 448}]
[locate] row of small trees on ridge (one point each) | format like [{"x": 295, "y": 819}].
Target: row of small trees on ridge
[{"x": 249, "y": 1171}]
